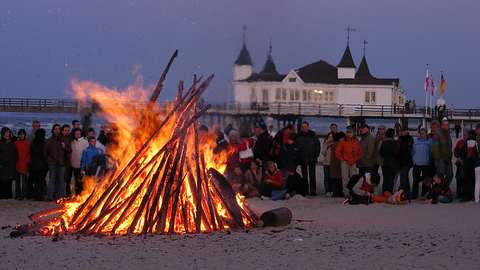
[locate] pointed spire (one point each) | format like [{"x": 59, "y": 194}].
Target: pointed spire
[
  {"x": 363, "y": 70},
  {"x": 244, "y": 58},
  {"x": 269, "y": 67},
  {"x": 347, "y": 59}
]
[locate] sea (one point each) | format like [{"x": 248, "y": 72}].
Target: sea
[{"x": 23, "y": 120}]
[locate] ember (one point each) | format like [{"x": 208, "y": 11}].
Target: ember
[{"x": 167, "y": 179}]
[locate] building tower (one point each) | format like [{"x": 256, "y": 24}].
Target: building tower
[
  {"x": 346, "y": 67},
  {"x": 243, "y": 68}
]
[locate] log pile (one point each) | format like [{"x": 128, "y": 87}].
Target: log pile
[{"x": 166, "y": 186}]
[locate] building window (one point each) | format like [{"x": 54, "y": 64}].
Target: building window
[
  {"x": 284, "y": 94},
  {"x": 309, "y": 95},
  {"x": 292, "y": 95},
  {"x": 253, "y": 95},
  {"x": 292, "y": 79},
  {"x": 278, "y": 94},
  {"x": 304, "y": 95},
  {"x": 297, "y": 95},
  {"x": 265, "y": 95},
  {"x": 370, "y": 97}
]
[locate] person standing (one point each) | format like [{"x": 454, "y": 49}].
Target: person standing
[
  {"x": 23, "y": 149},
  {"x": 368, "y": 159},
  {"x": 55, "y": 154},
  {"x": 460, "y": 174},
  {"x": 68, "y": 169},
  {"x": 35, "y": 127},
  {"x": 378, "y": 144},
  {"x": 348, "y": 151},
  {"x": 335, "y": 170},
  {"x": 38, "y": 166},
  {"x": 91, "y": 133},
  {"x": 78, "y": 145},
  {"x": 470, "y": 160},
  {"x": 458, "y": 129},
  {"x": 421, "y": 153},
  {"x": 442, "y": 152},
  {"x": 405, "y": 144},
  {"x": 8, "y": 161},
  {"x": 308, "y": 151},
  {"x": 91, "y": 158},
  {"x": 284, "y": 150},
  {"x": 389, "y": 152},
  {"x": 261, "y": 149},
  {"x": 326, "y": 152}
]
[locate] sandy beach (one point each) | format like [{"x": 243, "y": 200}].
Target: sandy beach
[{"x": 324, "y": 235}]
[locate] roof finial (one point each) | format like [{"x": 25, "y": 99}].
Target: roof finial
[
  {"x": 364, "y": 47},
  {"x": 349, "y": 29},
  {"x": 244, "y": 34},
  {"x": 270, "y": 46}
]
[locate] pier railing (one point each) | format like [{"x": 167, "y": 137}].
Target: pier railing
[
  {"x": 272, "y": 109},
  {"x": 308, "y": 109},
  {"x": 38, "y": 105}
]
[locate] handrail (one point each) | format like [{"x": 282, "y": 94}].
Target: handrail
[{"x": 274, "y": 108}]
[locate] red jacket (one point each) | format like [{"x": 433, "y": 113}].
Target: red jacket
[
  {"x": 348, "y": 150},
  {"x": 23, "y": 149},
  {"x": 275, "y": 179}
]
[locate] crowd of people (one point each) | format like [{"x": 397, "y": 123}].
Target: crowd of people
[
  {"x": 264, "y": 163},
  {"x": 283, "y": 165},
  {"x": 70, "y": 152}
]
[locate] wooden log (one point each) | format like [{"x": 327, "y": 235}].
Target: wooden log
[
  {"x": 277, "y": 217},
  {"x": 159, "y": 86},
  {"x": 227, "y": 195}
]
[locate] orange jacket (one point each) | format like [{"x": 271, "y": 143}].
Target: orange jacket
[{"x": 348, "y": 150}]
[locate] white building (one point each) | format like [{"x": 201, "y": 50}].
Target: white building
[{"x": 316, "y": 83}]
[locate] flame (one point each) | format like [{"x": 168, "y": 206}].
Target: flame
[{"x": 120, "y": 202}]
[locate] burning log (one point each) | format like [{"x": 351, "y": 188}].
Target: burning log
[{"x": 166, "y": 182}]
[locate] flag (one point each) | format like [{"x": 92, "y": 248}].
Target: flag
[
  {"x": 443, "y": 85},
  {"x": 432, "y": 86},
  {"x": 427, "y": 83}
]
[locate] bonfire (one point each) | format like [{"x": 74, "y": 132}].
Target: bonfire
[{"x": 167, "y": 177}]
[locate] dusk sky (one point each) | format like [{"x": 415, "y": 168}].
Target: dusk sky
[{"x": 46, "y": 43}]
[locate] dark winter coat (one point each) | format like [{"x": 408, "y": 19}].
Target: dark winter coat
[
  {"x": 369, "y": 153},
  {"x": 54, "y": 152},
  {"x": 308, "y": 147},
  {"x": 8, "y": 159},
  {"x": 389, "y": 152},
  {"x": 405, "y": 145},
  {"x": 37, "y": 158},
  {"x": 262, "y": 147}
]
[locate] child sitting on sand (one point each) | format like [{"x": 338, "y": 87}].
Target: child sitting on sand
[
  {"x": 241, "y": 184},
  {"x": 273, "y": 182},
  {"x": 439, "y": 192}
]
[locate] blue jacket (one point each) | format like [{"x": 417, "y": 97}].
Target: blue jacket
[
  {"x": 421, "y": 152},
  {"x": 88, "y": 157}
]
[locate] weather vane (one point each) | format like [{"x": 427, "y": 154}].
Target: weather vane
[
  {"x": 349, "y": 29},
  {"x": 364, "y": 46}
]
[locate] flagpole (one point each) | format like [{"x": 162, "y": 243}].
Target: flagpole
[
  {"x": 426, "y": 101},
  {"x": 432, "y": 95}
]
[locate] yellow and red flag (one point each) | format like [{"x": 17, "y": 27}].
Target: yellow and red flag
[{"x": 443, "y": 85}]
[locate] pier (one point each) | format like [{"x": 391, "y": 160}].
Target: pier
[{"x": 282, "y": 112}]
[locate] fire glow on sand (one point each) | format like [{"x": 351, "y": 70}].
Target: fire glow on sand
[{"x": 167, "y": 178}]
